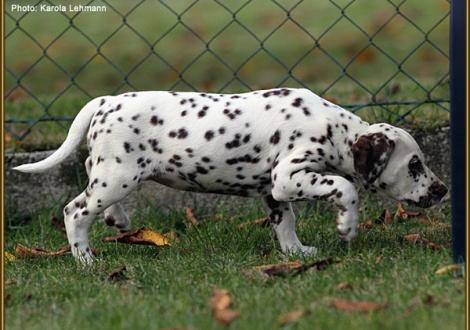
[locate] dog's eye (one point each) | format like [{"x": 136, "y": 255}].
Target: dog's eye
[{"x": 415, "y": 166}]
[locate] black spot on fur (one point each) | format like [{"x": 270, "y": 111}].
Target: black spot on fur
[
  {"x": 297, "y": 102},
  {"x": 274, "y": 139},
  {"x": 209, "y": 135}
]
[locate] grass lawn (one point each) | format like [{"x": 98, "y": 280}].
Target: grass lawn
[{"x": 171, "y": 286}]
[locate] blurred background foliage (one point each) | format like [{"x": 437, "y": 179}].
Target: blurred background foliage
[{"x": 387, "y": 60}]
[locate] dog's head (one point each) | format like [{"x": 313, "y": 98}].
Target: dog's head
[{"x": 389, "y": 159}]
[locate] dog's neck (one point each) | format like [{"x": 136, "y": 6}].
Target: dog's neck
[{"x": 343, "y": 141}]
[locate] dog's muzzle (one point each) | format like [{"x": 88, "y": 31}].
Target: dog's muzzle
[{"x": 436, "y": 193}]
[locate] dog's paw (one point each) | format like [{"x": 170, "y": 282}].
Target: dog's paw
[
  {"x": 302, "y": 249},
  {"x": 347, "y": 234},
  {"x": 83, "y": 255}
]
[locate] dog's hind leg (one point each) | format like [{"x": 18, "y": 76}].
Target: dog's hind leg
[
  {"x": 114, "y": 216},
  {"x": 105, "y": 188}
]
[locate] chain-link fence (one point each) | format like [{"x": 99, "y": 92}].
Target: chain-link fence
[{"x": 384, "y": 59}]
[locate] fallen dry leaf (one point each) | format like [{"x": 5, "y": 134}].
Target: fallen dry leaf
[
  {"x": 417, "y": 239},
  {"x": 365, "y": 225},
  {"x": 449, "y": 269},
  {"x": 190, "y": 217},
  {"x": 357, "y": 306},
  {"x": 9, "y": 256},
  {"x": 281, "y": 266},
  {"x": 344, "y": 286},
  {"x": 384, "y": 218},
  {"x": 402, "y": 214},
  {"x": 261, "y": 221},
  {"x": 25, "y": 252},
  {"x": 144, "y": 236},
  {"x": 412, "y": 238},
  {"x": 220, "y": 306},
  {"x": 117, "y": 275},
  {"x": 294, "y": 267},
  {"x": 291, "y": 317}
]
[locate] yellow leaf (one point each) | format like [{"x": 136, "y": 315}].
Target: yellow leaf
[
  {"x": 449, "y": 269},
  {"x": 158, "y": 239},
  {"x": 144, "y": 235},
  {"x": 9, "y": 256}
]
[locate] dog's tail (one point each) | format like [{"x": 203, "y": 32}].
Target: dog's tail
[{"x": 76, "y": 132}]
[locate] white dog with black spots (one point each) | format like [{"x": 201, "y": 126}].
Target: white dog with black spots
[{"x": 283, "y": 145}]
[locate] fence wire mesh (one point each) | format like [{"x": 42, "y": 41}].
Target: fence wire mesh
[{"x": 386, "y": 59}]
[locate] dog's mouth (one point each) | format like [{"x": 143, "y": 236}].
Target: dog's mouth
[{"x": 424, "y": 202}]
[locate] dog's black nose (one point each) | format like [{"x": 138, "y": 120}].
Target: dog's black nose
[{"x": 438, "y": 190}]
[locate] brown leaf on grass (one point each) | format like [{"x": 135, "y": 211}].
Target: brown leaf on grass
[
  {"x": 294, "y": 267},
  {"x": 144, "y": 236},
  {"x": 344, "y": 286},
  {"x": 412, "y": 238},
  {"x": 365, "y": 225},
  {"x": 220, "y": 303},
  {"x": 25, "y": 252},
  {"x": 291, "y": 317},
  {"x": 117, "y": 275},
  {"x": 402, "y": 214},
  {"x": 190, "y": 217},
  {"x": 384, "y": 218},
  {"x": 357, "y": 306},
  {"x": 263, "y": 222},
  {"x": 418, "y": 239},
  {"x": 58, "y": 224}
]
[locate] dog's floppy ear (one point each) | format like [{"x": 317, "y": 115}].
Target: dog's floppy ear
[{"x": 371, "y": 153}]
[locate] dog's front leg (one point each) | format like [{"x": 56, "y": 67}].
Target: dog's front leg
[
  {"x": 292, "y": 184},
  {"x": 282, "y": 220}
]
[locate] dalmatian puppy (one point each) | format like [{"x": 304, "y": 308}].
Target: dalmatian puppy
[{"x": 283, "y": 145}]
